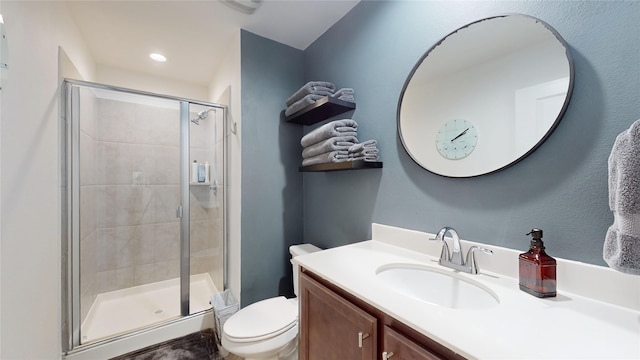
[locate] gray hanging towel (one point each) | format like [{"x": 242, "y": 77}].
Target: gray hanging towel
[{"x": 622, "y": 242}]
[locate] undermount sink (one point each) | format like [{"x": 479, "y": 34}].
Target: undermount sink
[{"x": 435, "y": 286}]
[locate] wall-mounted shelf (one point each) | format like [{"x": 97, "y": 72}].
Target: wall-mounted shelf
[
  {"x": 322, "y": 109},
  {"x": 347, "y": 165}
]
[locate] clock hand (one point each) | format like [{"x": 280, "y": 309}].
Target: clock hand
[{"x": 462, "y": 133}]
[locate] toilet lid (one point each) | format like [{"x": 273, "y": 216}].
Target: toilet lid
[{"x": 262, "y": 320}]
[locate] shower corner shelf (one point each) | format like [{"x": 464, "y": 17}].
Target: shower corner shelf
[
  {"x": 347, "y": 165},
  {"x": 322, "y": 109}
]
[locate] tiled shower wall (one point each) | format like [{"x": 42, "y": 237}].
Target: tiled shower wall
[{"x": 130, "y": 161}]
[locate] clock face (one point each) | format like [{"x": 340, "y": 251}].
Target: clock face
[{"x": 456, "y": 139}]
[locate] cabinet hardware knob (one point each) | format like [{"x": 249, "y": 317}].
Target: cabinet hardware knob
[
  {"x": 361, "y": 336},
  {"x": 386, "y": 355}
]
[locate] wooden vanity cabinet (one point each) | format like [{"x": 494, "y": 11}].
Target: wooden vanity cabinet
[
  {"x": 333, "y": 328},
  {"x": 397, "y": 346},
  {"x": 335, "y": 325}
]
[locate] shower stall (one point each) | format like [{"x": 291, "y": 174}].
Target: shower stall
[{"x": 144, "y": 236}]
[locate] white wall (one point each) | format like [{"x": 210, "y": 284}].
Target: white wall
[
  {"x": 29, "y": 158},
  {"x": 225, "y": 89}
]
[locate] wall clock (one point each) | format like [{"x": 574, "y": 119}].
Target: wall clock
[{"x": 456, "y": 139}]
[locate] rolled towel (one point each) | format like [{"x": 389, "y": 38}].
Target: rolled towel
[
  {"x": 312, "y": 87},
  {"x": 345, "y": 127},
  {"x": 331, "y": 144},
  {"x": 302, "y": 103},
  {"x": 622, "y": 241},
  {"x": 329, "y": 157}
]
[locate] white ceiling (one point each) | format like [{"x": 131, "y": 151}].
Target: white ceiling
[{"x": 193, "y": 35}]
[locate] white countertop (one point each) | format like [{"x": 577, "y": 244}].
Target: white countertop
[{"x": 569, "y": 326}]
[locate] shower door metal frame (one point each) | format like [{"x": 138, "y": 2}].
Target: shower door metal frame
[{"x": 70, "y": 217}]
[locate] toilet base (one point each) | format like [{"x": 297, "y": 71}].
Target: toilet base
[{"x": 290, "y": 352}]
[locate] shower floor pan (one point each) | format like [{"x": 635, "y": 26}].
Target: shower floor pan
[{"x": 125, "y": 310}]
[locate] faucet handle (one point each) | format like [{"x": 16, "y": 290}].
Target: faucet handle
[{"x": 471, "y": 259}]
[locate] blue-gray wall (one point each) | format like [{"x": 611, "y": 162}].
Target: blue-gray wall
[
  {"x": 271, "y": 183},
  {"x": 561, "y": 187}
]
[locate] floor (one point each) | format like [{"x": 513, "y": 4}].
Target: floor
[{"x": 196, "y": 346}]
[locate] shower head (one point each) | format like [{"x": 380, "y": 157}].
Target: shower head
[{"x": 201, "y": 116}]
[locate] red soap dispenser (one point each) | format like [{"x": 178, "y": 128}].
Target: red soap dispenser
[{"x": 537, "y": 269}]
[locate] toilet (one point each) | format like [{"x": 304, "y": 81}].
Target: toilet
[{"x": 267, "y": 329}]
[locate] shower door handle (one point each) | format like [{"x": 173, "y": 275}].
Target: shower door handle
[{"x": 179, "y": 211}]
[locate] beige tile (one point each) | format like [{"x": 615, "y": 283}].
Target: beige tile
[
  {"x": 157, "y": 125},
  {"x": 145, "y": 244},
  {"x": 198, "y": 235},
  {"x": 167, "y": 165},
  {"x": 88, "y": 210},
  {"x": 157, "y": 271},
  {"x": 114, "y": 279},
  {"x": 115, "y": 248},
  {"x": 167, "y": 242},
  {"x": 115, "y": 121},
  {"x": 165, "y": 200},
  {"x": 166, "y": 270},
  {"x": 145, "y": 274},
  {"x": 196, "y": 194},
  {"x": 114, "y": 163},
  {"x": 88, "y": 159},
  {"x": 124, "y": 205}
]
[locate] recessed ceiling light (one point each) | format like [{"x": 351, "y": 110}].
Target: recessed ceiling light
[{"x": 158, "y": 57}]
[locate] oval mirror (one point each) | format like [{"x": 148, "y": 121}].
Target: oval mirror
[{"x": 485, "y": 96}]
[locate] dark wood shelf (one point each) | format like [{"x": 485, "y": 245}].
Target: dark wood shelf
[
  {"x": 347, "y": 165},
  {"x": 322, "y": 109}
]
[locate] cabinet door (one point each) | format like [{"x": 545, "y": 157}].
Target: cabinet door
[
  {"x": 398, "y": 347},
  {"x": 331, "y": 327}
]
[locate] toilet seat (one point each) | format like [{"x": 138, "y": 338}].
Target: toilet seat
[{"x": 262, "y": 320}]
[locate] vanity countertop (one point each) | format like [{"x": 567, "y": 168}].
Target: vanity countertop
[{"x": 573, "y": 325}]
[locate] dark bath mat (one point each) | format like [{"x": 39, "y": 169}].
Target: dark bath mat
[{"x": 196, "y": 346}]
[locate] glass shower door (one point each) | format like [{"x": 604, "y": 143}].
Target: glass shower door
[
  {"x": 206, "y": 204},
  {"x": 145, "y": 239},
  {"x": 129, "y": 187}
]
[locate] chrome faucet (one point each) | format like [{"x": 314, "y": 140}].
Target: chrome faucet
[{"x": 454, "y": 259}]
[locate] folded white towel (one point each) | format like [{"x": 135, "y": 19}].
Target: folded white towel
[
  {"x": 312, "y": 87},
  {"x": 622, "y": 241},
  {"x": 331, "y": 144},
  {"x": 302, "y": 103},
  {"x": 344, "y": 91},
  {"x": 362, "y": 145},
  {"x": 329, "y": 157},
  {"x": 345, "y": 127},
  {"x": 370, "y": 158},
  {"x": 347, "y": 98}
]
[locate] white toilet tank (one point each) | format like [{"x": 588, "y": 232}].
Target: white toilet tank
[{"x": 297, "y": 250}]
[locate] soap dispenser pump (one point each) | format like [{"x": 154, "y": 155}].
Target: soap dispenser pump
[{"x": 537, "y": 269}]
